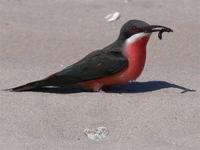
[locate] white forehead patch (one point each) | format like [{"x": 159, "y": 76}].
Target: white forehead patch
[{"x": 135, "y": 37}]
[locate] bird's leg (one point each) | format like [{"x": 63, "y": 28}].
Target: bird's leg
[
  {"x": 97, "y": 87},
  {"x": 93, "y": 86},
  {"x": 106, "y": 88}
]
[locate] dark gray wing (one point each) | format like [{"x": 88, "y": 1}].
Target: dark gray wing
[{"x": 95, "y": 65}]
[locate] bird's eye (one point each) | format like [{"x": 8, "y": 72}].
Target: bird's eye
[{"x": 135, "y": 29}]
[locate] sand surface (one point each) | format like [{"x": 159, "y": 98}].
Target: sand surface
[{"x": 40, "y": 37}]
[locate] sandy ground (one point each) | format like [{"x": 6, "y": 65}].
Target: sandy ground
[{"x": 40, "y": 37}]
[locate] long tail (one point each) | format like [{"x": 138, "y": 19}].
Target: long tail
[{"x": 27, "y": 87}]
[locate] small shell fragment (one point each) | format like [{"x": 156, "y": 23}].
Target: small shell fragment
[
  {"x": 112, "y": 17},
  {"x": 96, "y": 134}
]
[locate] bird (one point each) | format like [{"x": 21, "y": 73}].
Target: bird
[{"x": 118, "y": 63}]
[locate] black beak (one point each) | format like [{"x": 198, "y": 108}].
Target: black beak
[{"x": 157, "y": 28}]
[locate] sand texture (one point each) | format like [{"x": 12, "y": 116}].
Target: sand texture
[{"x": 40, "y": 37}]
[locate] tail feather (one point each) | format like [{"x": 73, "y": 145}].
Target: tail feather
[{"x": 27, "y": 87}]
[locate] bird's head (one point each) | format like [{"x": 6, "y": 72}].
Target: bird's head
[{"x": 138, "y": 29}]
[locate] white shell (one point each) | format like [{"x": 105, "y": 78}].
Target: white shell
[
  {"x": 112, "y": 17},
  {"x": 96, "y": 134}
]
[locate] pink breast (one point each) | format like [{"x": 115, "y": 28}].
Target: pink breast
[{"x": 136, "y": 55}]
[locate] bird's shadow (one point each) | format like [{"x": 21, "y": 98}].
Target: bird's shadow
[{"x": 135, "y": 87}]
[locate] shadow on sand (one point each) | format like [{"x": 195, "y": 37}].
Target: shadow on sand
[{"x": 135, "y": 87}]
